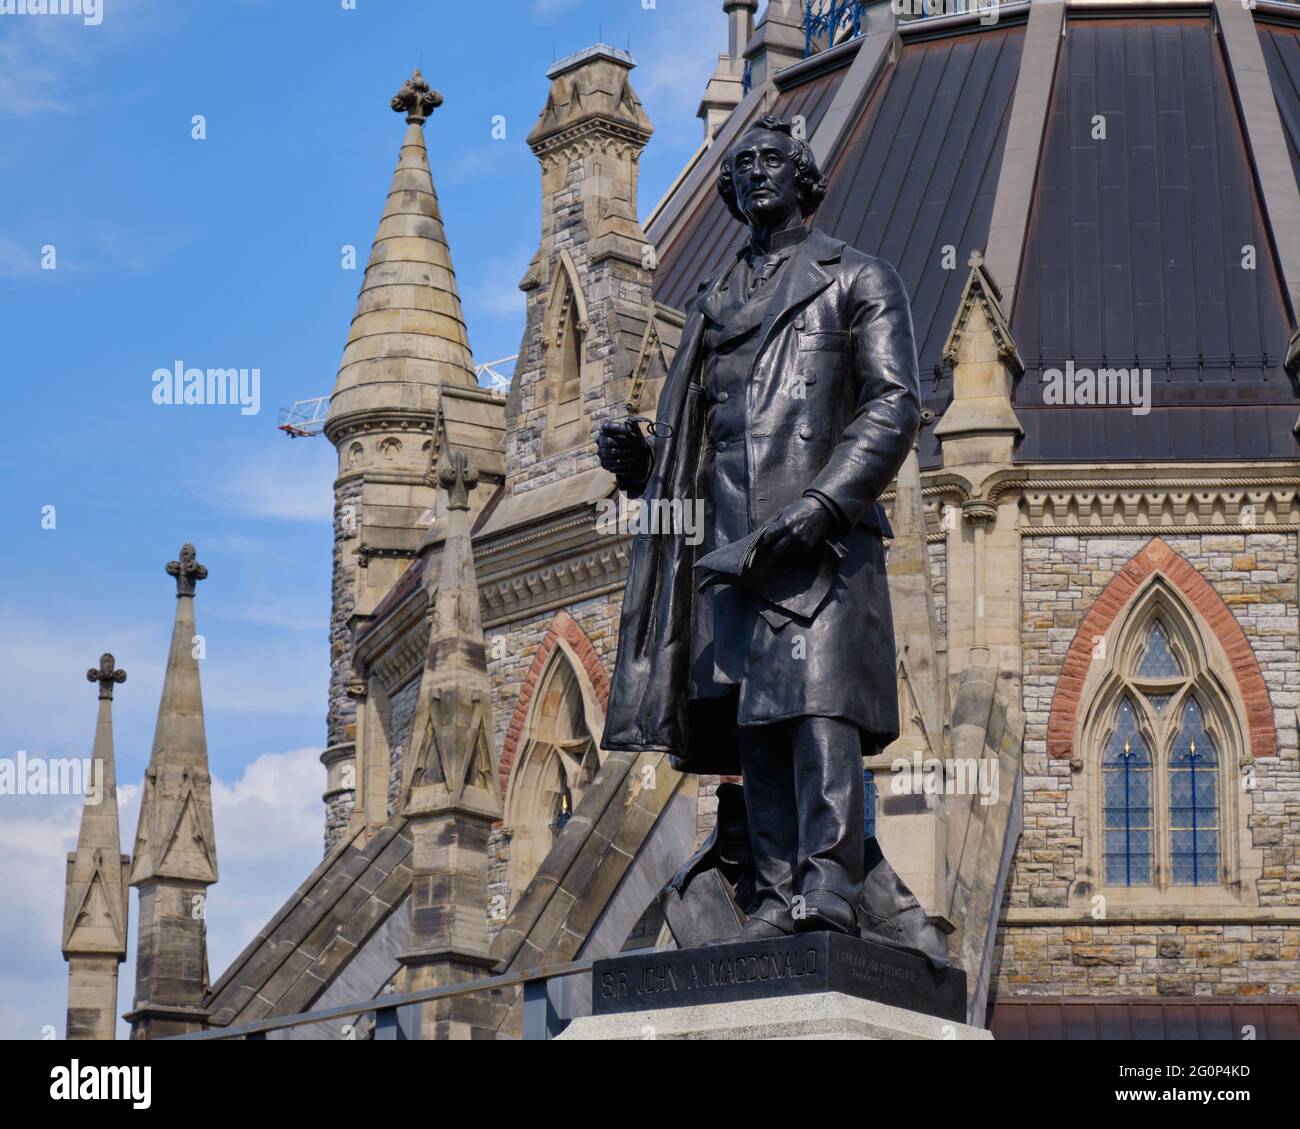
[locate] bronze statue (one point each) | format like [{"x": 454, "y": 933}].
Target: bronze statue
[{"x": 767, "y": 650}]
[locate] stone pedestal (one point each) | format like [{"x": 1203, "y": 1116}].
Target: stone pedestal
[
  {"x": 807, "y": 986},
  {"x": 821, "y": 1015}
]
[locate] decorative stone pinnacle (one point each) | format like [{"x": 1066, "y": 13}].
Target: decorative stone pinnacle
[
  {"x": 188, "y": 572},
  {"x": 106, "y": 674},
  {"x": 458, "y": 478},
  {"x": 417, "y": 100}
]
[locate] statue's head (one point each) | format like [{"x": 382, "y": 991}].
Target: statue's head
[{"x": 768, "y": 173}]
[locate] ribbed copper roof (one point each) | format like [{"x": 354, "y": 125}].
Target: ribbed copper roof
[
  {"x": 1135, "y": 253},
  {"x": 918, "y": 174}
]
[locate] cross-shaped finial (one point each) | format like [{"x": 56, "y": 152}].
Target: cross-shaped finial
[
  {"x": 106, "y": 674},
  {"x": 458, "y": 478},
  {"x": 976, "y": 259},
  {"x": 187, "y": 571},
  {"x": 416, "y": 99}
]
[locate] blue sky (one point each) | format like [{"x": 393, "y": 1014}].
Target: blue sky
[{"x": 226, "y": 252}]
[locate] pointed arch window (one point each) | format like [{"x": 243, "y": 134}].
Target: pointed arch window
[
  {"x": 1127, "y": 776},
  {"x": 560, "y": 759},
  {"x": 565, "y": 341},
  {"x": 1163, "y": 727},
  {"x": 1193, "y": 801}
]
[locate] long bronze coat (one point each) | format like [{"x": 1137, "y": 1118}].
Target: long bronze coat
[{"x": 833, "y": 406}]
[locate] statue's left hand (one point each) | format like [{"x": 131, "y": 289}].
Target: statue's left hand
[{"x": 800, "y": 527}]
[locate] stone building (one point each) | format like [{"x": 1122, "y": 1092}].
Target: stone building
[{"x": 1096, "y": 795}]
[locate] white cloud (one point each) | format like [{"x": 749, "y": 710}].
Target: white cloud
[
  {"x": 287, "y": 482},
  {"x": 268, "y": 827},
  {"x": 43, "y": 58},
  {"x": 498, "y": 292}
]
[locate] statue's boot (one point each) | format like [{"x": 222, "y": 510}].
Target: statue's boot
[
  {"x": 823, "y": 912},
  {"x": 707, "y": 899},
  {"x": 889, "y": 912}
]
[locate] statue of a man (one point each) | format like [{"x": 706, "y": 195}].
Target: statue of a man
[{"x": 789, "y": 407}]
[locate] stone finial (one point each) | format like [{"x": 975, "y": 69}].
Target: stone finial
[
  {"x": 187, "y": 571},
  {"x": 417, "y": 100},
  {"x": 106, "y": 674},
  {"x": 458, "y": 478}
]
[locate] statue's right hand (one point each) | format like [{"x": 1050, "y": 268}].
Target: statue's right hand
[{"x": 623, "y": 450}]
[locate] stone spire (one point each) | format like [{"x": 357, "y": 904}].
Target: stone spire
[
  {"x": 726, "y": 89},
  {"x": 778, "y": 42},
  {"x": 408, "y": 331},
  {"x": 449, "y": 789},
  {"x": 175, "y": 857},
  {"x": 95, "y": 896},
  {"x": 407, "y": 351}
]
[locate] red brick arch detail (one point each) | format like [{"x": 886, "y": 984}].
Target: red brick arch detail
[
  {"x": 565, "y": 627},
  {"x": 1157, "y": 556}
]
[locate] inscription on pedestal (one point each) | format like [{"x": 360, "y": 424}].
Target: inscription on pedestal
[{"x": 789, "y": 966}]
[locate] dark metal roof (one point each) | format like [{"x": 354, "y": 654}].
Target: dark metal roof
[
  {"x": 1145, "y": 1018},
  {"x": 709, "y": 238},
  {"x": 1134, "y": 256},
  {"x": 919, "y": 173}
]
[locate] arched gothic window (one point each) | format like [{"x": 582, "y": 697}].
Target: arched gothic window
[
  {"x": 558, "y": 762},
  {"x": 1162, "y": 729}
]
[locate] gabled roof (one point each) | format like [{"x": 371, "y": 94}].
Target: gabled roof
[{"x": 318, "y": 930}]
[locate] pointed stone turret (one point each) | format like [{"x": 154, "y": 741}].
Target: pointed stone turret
[
  {"x": 175, "y": 857},
  {"x": 979, "y": 432},
  {"x": 407, "y": 354},
  {"x": 980, "y": 426},
  {"x": 726, "y": 89},
  {"x": 449, "y": 789},
  {"x": 778, "y": 42},
  {"x": 95, "y": 898},
  {"x": 589, "y": 285}
]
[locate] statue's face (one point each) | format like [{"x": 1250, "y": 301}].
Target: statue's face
[{"x": 763, "y": 172}]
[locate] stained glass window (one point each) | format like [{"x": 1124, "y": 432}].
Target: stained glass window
[
  {"x": 1193, "y": 802},
  {"x": 1158, "y": 661},
  {"x": 1126, "y": 770},
  {"x": 1159, "y": 701}
]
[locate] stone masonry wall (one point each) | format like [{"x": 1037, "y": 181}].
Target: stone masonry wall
[{"x": 1255, "y": 575}]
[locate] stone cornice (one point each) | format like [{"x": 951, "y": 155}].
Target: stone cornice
[
  {"x": 596, "y": 132},
  {"x": 365, "y": 422}
]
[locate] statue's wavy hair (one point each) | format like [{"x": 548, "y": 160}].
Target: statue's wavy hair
[{"x": 809, "y": 180}]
